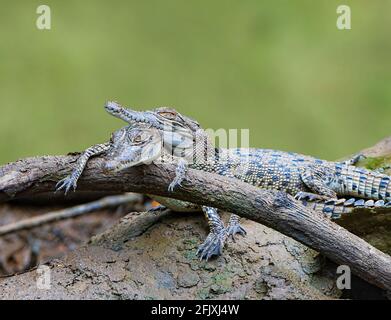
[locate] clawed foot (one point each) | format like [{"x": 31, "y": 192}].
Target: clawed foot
[
  {"x": 180, "y": 175},
  {"x": 310, "y": 196},
  {"x": 67, "y": 183},
  {"x": 175, "y": 183},
  {"x": 234, "y": 227},
  {"x": 212, "y": 246}
]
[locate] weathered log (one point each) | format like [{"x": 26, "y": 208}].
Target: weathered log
[{"x": 274, "y": 209}]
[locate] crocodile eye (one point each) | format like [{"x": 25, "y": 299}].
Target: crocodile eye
[
  {"x": 168, "y": 114},
  {"x": 137, "y": 139},
  {"x": 140, "y": 138}
]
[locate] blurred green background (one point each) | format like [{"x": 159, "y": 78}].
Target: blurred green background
[{"x": 280, "y": 68}]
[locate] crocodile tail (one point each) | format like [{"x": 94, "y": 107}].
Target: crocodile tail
[
  {"x": 334, "y": 209},
  {"x": 364, "y": 183}
]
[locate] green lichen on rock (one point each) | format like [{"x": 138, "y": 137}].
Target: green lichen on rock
[
  {"x": 190, "y": 243},
  {"x": 373, "y": 163},
  {"x": 260, "y": 287},
  {"x": 219, "y": 283},
  {"x": 203, "y": 293},
  {"x": 190, "y": 254},
  {"x": 189, "y": 248},
  {"x": 222, "y": 283}
]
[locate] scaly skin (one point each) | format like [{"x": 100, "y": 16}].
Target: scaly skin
[
  {"x": 143, "y": 145},
  {"x": 124, "y": 152},
  {"x": 128, "y": 150},
  {"x": 299, "y": 175},
  {"x": 306, "y": 177},
  {"x": 71, "y": 181},
  {"x": 153, "y": 144},
  {"x": 180, "y": 135}
]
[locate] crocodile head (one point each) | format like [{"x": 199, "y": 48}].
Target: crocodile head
[
  {"x": 169, "y": 117},
  {"x": 178, "y": 130},
  {"x": 162, "y": 118},
  {"x": 132, "y": 116},
  {"x": 132, "y": 146}
]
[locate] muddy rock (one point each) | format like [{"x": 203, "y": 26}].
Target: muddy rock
[{"x": 159, "y": 262}]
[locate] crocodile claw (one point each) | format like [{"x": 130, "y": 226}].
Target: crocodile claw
[
  {"x": 212, "y": 246},
  {"x": 235, "y": 229},
  {"x": 179, "y": 177},
  {"x": 177, "y": 182},
  {"x": 66, "y": 184}
]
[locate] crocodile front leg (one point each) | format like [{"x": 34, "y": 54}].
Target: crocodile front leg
[
  {"x": 180, "y": 172},
  {"x": 71, "y": 181}
]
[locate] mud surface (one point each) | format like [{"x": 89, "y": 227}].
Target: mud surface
[{"x": 159, "y": 262}]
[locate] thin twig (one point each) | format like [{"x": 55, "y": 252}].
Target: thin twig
[{"x": 111, "y": 201}]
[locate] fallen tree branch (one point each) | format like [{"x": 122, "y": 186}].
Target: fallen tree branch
[
  {"x": 274, "y": 209},
  {"x": 107, "y": 202}
]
